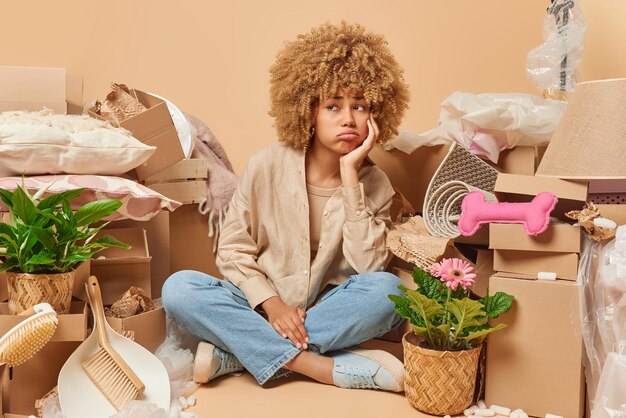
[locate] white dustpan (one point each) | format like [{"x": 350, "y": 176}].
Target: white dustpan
[{"x": 78, "y": 395}]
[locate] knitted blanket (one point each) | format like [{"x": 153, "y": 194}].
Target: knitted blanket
[{"x": 221, "y": 179}]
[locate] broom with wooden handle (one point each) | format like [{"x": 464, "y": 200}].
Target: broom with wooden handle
[{"x": 106, "y": 368}]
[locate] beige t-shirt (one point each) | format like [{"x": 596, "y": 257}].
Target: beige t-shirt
[{"x": 317, "y": 201}]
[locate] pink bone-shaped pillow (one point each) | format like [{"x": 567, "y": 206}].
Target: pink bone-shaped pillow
[{"x": 535, "y": 215}]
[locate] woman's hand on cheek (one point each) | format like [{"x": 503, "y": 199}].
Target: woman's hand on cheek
[
  {"x": 350, "y": 162},
  {"x": 287, "y": 320}
]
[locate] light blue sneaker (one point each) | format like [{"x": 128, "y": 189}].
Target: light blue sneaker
[
  {"x": 368, "y": 369},
  {"x": 211, "y": 362}
]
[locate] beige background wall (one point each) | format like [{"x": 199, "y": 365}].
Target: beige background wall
[{"x": 211, "y": 58}]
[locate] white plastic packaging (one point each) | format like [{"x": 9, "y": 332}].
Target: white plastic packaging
[
  {"x": 175, "y": 353},
  {"x": 500, "y": 410},
  {"x": 546, "y": 275},
  {"x": 487, "y": 123},
  {"x": 470, "y": 411}
]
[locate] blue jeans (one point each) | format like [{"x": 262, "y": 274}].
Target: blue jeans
[{"x": 218, "y": 312}]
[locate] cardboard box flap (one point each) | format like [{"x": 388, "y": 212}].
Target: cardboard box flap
[
  {"x": 531, "y": 186},
  {"x": 135, "y": 237}
]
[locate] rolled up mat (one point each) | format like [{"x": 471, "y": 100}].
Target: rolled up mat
[
  {"x": 459, "y": 173},
  {"x": 446, "y": 208}
]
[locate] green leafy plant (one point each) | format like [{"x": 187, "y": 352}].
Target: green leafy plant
[
  {"x": 440, "y": 311},
  {"x": 47, "y": 236}
]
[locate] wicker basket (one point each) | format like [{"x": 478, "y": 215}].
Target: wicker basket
[
  {"x": 439, "y": 382},
  {"x": 26, "y": 290}
]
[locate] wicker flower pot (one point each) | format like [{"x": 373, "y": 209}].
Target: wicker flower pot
[
  {"x": 26, "y": 290},
  {"x": 439, "y": 382}
]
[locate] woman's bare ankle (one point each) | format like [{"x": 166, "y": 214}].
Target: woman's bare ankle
[{"x": 315, "y": 366}]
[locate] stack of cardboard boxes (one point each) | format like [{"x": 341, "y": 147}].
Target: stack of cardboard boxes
[
  {"x": 536, "y": 362},
  {"x": 166, "y": 243}
]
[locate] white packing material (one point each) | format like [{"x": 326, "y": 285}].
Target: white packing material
[{"x": 488, "y": 123}]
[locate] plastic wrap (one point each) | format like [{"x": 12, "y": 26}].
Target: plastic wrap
[
  {"x": 175, "y": 353},
  {"x": 603, "y": 276},
  {"x": 488, "y": 123},
  {"x": 552, "y": 65}
]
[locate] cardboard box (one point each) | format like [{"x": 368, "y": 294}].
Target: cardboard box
[
  {"x": 148, "y": 327},
  {"x": 158, "y": 234},
  {"x": 536, "y": 362},
  {"x": 121, "y": 268},
  {"x": 484, "y": 270},
  {"x": 519, "y": 160},
  {"x": 191, "y": 248},
  {"x": 518, "y": 188},
  {"x": 33, "y": 379},
  {"x": 72, "y": 326},
  {"x": 565, "y": 265},
  {"x": 410, "y": 173},
  {"x": 616, "y": 213},
  {"x": 83, "y": 271},
  {"x": 561, "y": 238},
  {"x": 154, "y": 127},
  {"x": 33, "y": 88}
]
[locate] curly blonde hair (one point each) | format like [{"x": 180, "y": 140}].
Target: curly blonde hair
[{"x": 315, "y": 65}]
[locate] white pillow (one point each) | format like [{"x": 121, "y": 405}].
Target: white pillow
[{"x": 41, "y": 142}]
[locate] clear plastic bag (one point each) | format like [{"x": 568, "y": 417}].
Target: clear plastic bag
[
  {"x": 176, "y": 355},
  {"x": 552, "y": 65},
  {"x": 610, "y": 401},
  {"x": 602, "y": 273}
]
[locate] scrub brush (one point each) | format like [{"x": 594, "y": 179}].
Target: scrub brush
[
  {"x": 106, "y": 368},
  {"x": 25, "y": 339}
]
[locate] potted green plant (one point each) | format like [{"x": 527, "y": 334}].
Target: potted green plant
[
  {"x": 45, "y": 241},
  {"x": 448, "y": 329}
]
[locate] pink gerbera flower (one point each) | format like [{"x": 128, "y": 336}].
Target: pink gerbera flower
[{"x": 454, "y": 272}]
